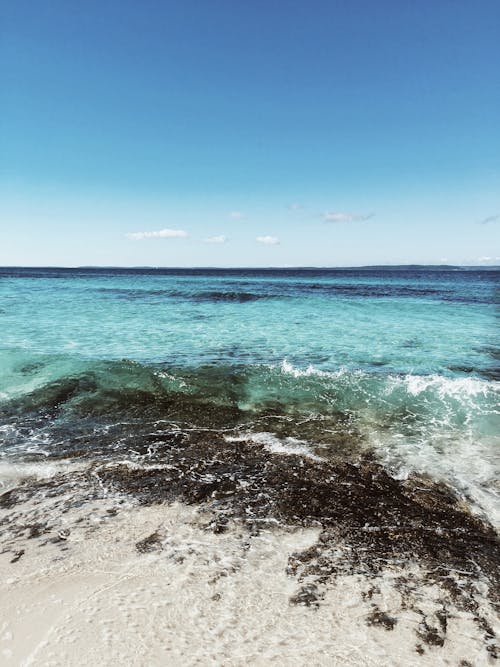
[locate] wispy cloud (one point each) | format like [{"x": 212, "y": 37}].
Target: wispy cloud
[
  {"x": 216, "y": 239},
  {"x": 268, "y": 240},
  {"x": 236, "y": 215},
  {"x": 295, "y": 206},
  {"x": 490, "y": 218},
  {"x": 160, "y": 234},
  {"x": 339, "y": 216}
]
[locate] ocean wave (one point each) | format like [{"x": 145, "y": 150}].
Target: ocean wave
[
  {"x": 444, "y": 426},
  {"x": 231, "y": 393},
  {"x": 444, "y": 386},
  {"x": 413, "y": 384}
]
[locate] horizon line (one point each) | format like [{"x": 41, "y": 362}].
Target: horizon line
[{"x": 269, "y": 267}]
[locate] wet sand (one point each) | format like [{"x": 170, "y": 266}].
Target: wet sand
[
  {"x": 186, "y": 596},
  {"x": 226, "y": 553}
]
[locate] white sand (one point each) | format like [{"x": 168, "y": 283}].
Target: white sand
[{"x": 198, "y": 599}]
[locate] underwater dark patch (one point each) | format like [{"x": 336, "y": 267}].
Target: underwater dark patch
[{"x": 232, "y": 297}]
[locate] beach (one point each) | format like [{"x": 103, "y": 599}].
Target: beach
[
  {"x": 238, "y": 467},
  {"x": 195, "y": 597}
]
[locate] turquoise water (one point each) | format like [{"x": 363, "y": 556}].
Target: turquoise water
[
  {"x": 419, "y": 322},
  {"x": 403, "y": 362}
]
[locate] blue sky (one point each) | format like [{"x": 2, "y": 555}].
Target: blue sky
[{"x": 223, "y": 133}]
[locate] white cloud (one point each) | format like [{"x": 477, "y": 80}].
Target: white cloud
[
  {"x": 160, "y": 234},
  {"x": 236, "y": 215},
  {"x": 484, "y": 259},
  {"x": 338, "y": 216},
  {"x": 216, "y": 239},
  {"x": 295, "y": 207},
  {"x": 268, "y": 240},
  {"x": 490, "y": 218}
]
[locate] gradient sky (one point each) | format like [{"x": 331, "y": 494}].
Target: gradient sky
[{"x": 226, "y": 133}]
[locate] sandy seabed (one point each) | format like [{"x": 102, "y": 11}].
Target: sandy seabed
[{"x": 123, "y": 584}]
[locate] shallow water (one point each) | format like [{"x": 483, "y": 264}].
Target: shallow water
[
  {"x": 390, "y": 321},
  {"x": 401, "y": 362},
  {"x": 273, "y": 441}
]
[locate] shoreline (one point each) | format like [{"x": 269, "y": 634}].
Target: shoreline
[
  {"x": 226, "y": 553},
  {"x": 190, "y": 597}
]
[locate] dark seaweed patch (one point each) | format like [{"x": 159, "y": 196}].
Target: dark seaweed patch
[
  {"x": 11, "y": 498},
  {"x": 232, "y": 297},
  {"x": 150, "y": 543},
  {"x": 381, "y": 618},
  {"x": 430, "y": 635},
  {"x": 17, "y": 556},
  {"x": 394, "y": 290},
  {"x": 116, "y": 406},
  {"x": 307, "y": 595},
  {"x": 36, "y": 530},
  {"x": 368, "y": 520},
  {"x": 30, "y": 368},
  {"x": 492, "y": 373},
  {"x": 84, "y": 397},
  {"x": 372, "y": 518}
]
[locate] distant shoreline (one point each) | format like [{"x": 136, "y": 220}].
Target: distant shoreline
[{"x": 368, "y": 267}]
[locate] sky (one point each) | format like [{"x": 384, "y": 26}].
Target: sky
[{"x": 263, "y": 133}]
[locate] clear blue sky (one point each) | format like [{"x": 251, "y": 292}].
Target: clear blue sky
[{"x": 335, "y": 132}]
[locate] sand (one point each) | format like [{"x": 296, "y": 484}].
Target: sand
[{"x": 116, "y": 583}]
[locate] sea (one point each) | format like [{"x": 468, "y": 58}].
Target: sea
[
  {"x": 311, "y": 397},
  {"x": 409, "y": 358}
]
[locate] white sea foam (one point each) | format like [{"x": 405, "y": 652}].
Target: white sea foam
[
  {"x": 446, "y": 427},
  {"x": 414, "y": 384},
  {"x": 469, "y": 464},
  {"x": 289, "y": 369},
  {"x": 443, "y": 386},
  {"x": 14, "y": 472},
  {"x": 275, "y": 445}
]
